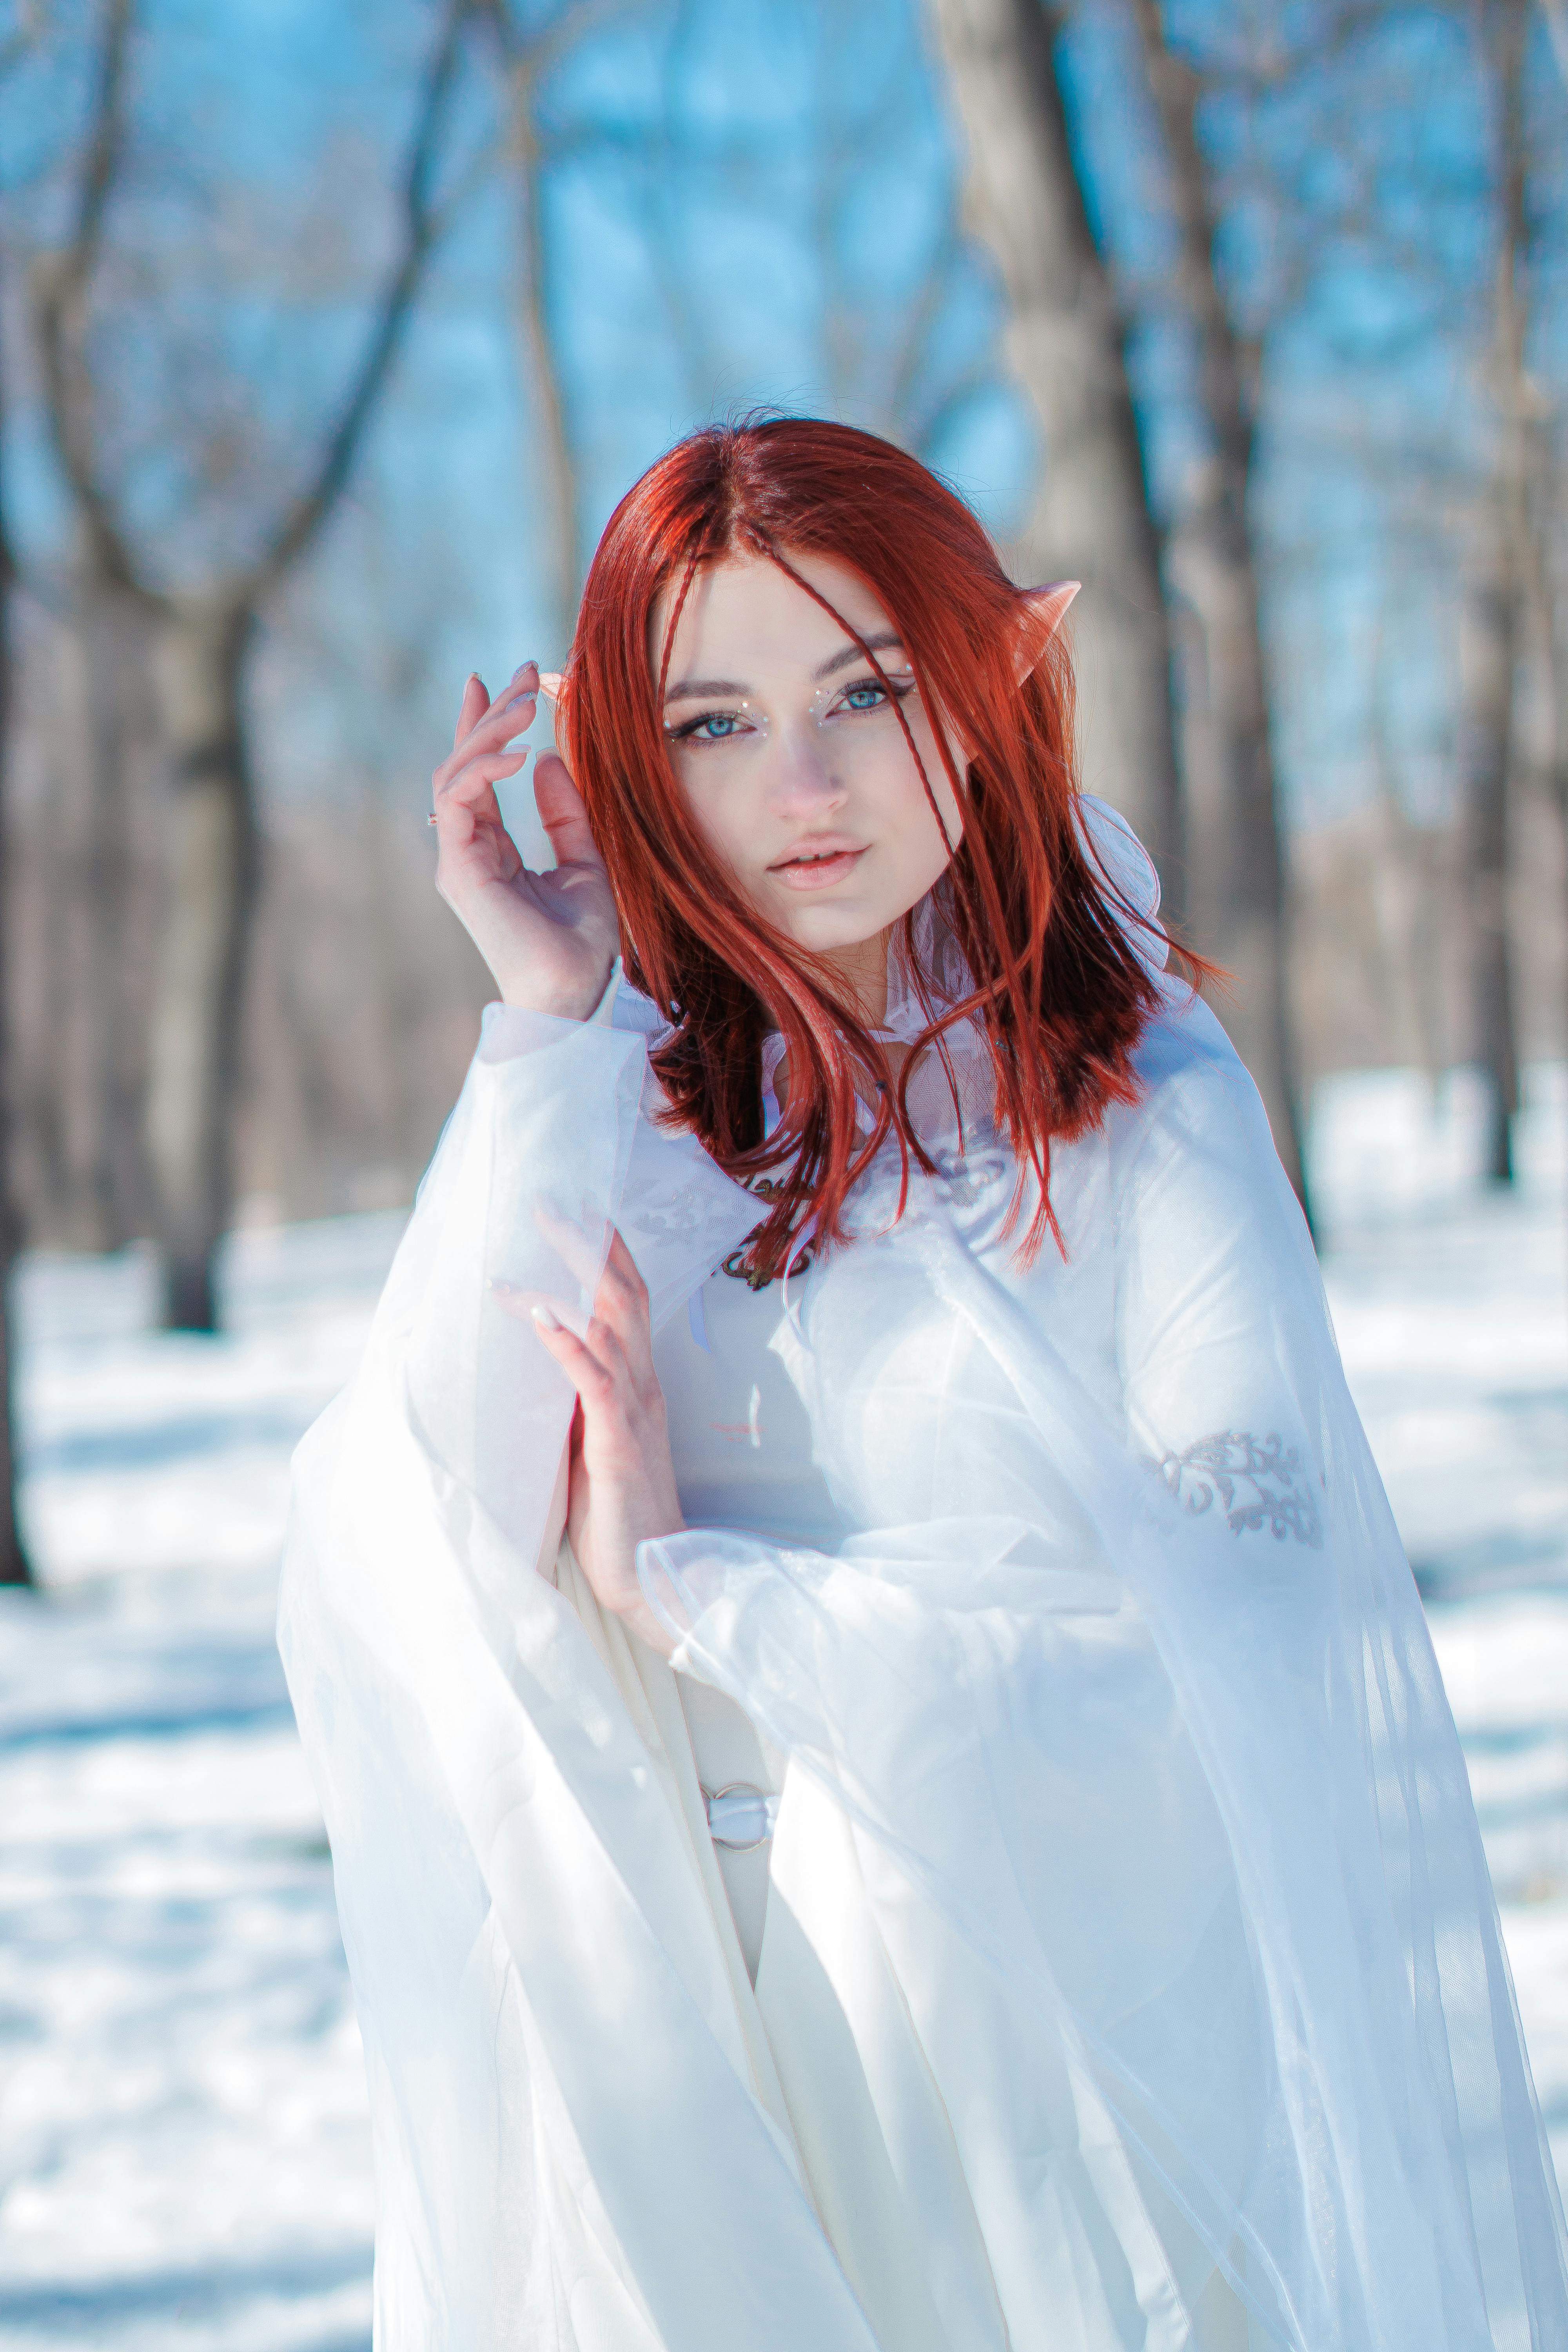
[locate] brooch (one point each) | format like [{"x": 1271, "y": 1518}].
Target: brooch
[{"x": 766, "y": 1188}]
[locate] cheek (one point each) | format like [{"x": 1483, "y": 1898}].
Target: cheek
[
  {"x": 905, "y": 794},
  {"x": 722, "y": 821}
]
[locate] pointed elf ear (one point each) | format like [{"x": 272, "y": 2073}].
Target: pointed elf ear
[
  {"x": 550, "y": 687},
  {"x": 1045, "y": 609}
]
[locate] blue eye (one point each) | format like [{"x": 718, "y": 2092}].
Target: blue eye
[
  {"x": 867, "y": 696},
  {"x": 712, "y": 727}
]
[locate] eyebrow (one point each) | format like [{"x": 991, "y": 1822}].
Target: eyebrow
[
  {"x": 882, "y": 642},
  {"x": 691, "y": 689}
]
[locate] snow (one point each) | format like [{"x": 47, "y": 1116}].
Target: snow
[
  {"x": 1451, "y": 1306},
  {"x": 184, "y": 2154}
]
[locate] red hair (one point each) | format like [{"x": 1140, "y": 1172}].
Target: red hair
[{"x": 1060, "y": 990}]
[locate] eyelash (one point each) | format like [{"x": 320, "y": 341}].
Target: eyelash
[{"x": 687, "y": 732}]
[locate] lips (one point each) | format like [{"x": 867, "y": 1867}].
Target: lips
[{"x": 817, "y": 865}]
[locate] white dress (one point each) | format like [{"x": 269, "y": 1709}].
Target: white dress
[{"x": 1126, "y": 1972}]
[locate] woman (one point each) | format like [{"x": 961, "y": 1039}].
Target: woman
[{"x": 886, "y": 1780}]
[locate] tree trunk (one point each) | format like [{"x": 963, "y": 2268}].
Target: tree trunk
[
  {"x": 1236, "y": 892},
  {"x": 14, "y": 1564},
  {"x": 1091, "y": 519},
  {"x": 193, "y": 1075},
  {"x": 1236, "y": 879},
  {"x": 112, "y": 636},
  {"x": 212, "y": 885},
  {"x": 1403, "y": 910},
  {"x": 40, "y": 1098},
  {"x": 1490, "y": 658},
  {"x": 555, "y": 467},
  {"x": 1493, "y": 630}
]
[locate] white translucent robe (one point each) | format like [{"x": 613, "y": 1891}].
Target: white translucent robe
[{"x": 1129, "y": 1975}]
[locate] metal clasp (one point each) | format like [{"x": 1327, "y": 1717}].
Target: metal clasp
[{"x": 756, "y": 1801}]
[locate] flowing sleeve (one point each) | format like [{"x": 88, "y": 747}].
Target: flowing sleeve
[
  {"x": 1399, "y": 2187},
  {"x": 1145, "y": 1750},
  {"x": 569, "y": 2144}
]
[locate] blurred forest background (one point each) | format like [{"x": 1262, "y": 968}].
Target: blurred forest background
[{"x": 330, "y": 335}]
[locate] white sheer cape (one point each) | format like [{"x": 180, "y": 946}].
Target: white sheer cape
[{"x": 1121, "y": 1686}]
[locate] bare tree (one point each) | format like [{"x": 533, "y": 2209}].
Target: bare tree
[
  {"x": 14, "y": 1566},
  {"x": 1091, "y": 519},
  {"x": 1238, "y": 901},
  {"x": 881, "y": 357},
  {"x": 108, "y": 645},
  {"x": 1494, "y": 617},
  {"x": 1549, "y": 614},
  {"x": 206, "y": 637},
  {"x": 526, "y": 59}
]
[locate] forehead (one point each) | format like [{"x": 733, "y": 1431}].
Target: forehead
[{"x": 743, "y": 617}]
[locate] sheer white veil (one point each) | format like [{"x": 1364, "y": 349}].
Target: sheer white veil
[
  {"x": 1122, "y": 1686},
  {"x": 1146, "y": 1715}
]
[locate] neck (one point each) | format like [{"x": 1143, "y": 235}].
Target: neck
[{"x": 860, "y": 971}]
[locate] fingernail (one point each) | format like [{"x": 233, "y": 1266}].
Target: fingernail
[{"x": 545, "y": 1319}]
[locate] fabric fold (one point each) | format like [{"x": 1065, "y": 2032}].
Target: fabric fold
[
  {"x": 1132, "y": 1883},
  {"x": 1162, "y": 1765},
  {"x": 567, "y": 2132}
]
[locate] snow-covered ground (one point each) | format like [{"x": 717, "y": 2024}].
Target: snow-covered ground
[
  {"x": 184, "y": 2158},
  {"x": 184, "y": 2154}
]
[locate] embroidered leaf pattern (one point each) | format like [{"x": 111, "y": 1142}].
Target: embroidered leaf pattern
[{"x": 1258, "y": 1482}]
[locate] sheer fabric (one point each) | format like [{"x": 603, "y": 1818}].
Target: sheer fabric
[{"x": 1129, "y": 1922}]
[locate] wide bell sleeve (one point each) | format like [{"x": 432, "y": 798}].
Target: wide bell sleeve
[
  {"x": 1153, "y": 1783},
  {"x": 571, "y": 2146},
  {"x": 1399, "y": 2189}
]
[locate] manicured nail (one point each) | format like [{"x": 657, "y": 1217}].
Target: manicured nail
[{"x": 545, "y": 1319}]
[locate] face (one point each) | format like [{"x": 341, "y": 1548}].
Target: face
[{"x": 792, "y": 758}]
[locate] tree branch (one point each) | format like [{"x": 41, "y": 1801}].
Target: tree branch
[
  {"x": 422, "y": 223},
  {"x": 20, "y": 42},
  {"x": 1176, "y": 86},
  {"x": 526, "y": 59},
  {"x": 61, "y": 290},
  {"x": 1280, "y": 68},
  {"x": 1556, "y": 16},
  {"x": 535, "y": 54}
]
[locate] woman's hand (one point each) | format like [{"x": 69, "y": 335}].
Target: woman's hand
[
  {"x": 548, "y": 939},
  {"x": 622, "y": 1478}
]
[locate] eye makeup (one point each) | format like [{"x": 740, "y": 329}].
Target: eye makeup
[{"x": 743, "y": 725}]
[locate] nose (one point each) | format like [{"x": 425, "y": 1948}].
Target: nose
[{"x": 801, "y": 782}]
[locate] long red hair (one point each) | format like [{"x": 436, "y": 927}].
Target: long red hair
[{"x": 1059, "y": 989}]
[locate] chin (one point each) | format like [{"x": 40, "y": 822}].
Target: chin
[{"x": 823, "y": 934}]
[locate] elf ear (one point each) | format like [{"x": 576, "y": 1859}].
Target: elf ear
[
  {"x": 550, "y": 687},
  {"x": 1043, "y": 611}
]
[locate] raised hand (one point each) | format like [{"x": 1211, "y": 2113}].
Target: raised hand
[
  {"x": 548, "y": 939},
  {"x": 623, "y": 1486}
]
